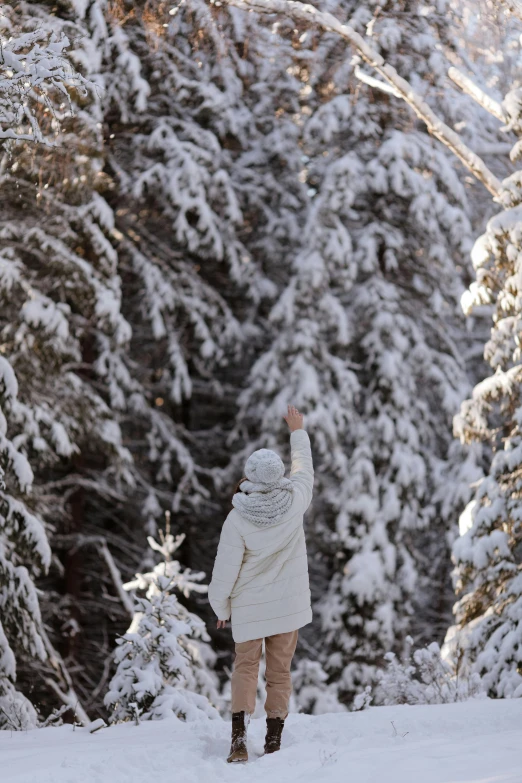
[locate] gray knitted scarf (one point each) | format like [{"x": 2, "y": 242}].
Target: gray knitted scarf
[{"x": 264, "y": 504}]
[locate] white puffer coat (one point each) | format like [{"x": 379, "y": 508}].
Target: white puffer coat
[{"x": 260, "y": 575}]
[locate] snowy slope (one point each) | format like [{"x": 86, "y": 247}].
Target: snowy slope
[{"x": 472, "y": 742}]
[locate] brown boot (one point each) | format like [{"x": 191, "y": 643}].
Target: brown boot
[
  {"x": 238, "y": 747},
  {"x": 274, "y": 731}
]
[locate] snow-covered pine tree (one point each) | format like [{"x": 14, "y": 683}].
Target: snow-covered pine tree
[
  {"x": 24, "y": 555},
  {"x": 488, "y": 555},
  {"x": 60, "y": 311},
  {"x": 161, "y": 669},
  {"x": 312, "y": 694},
  {"x": 140, "y": 218},
  {"x": 173, "y": 86},
  {"x": 34, "y": 100},
  {"x": 368, "y": 341},
  {"x": 67, "y": 340},
  {"x": 206, "y": 205},
  {"x": 175, "y": 211}
]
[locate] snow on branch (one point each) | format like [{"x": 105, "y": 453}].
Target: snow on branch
[
  {"x": 311, "y": 15},
  {"x": 478, "y": 95},
  {"x": 33, "y": 67},
  {"x": 371, "y": 81}
]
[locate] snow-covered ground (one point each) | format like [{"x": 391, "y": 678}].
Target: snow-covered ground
[{"x": 472, "y": 742}]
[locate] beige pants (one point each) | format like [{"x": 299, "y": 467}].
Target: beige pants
[{"x": 279, "y": 651}]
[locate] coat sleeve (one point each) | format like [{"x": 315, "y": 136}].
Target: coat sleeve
[
  {"x": 227, "y": 564},
  {"x": 302, "y": 471}
]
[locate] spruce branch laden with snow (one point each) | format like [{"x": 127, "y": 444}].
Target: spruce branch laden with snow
[
  {"x": 435, "y": 125},
  {"x": 24, "y": 555},
  {"x": 35, "y": 75}
]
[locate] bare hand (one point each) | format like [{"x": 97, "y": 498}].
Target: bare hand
[
  {"x": 221, "y": 624},
  {"x": 294, "y": 419}
]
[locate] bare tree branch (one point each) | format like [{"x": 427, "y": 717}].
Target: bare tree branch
[
  {"x": 478, "y": 95},
  {"x": 100, "y": 543},
  {"x": 116, "y": 577},
  {"x": 65, "y": 690},
  {"x": 71, "y": 700},
  {"x": 311, "y": 15}
]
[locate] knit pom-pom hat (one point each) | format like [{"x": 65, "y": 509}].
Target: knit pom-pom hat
[
  {"x": 266, "y": 495},
  {"x": 264, "y": 466}
]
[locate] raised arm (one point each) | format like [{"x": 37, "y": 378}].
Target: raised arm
[
  {"x": 228, "y": 561},
  {"x": 302, "y": 470}
]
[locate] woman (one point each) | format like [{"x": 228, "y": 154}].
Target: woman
[{"x": 260, "y": 579}]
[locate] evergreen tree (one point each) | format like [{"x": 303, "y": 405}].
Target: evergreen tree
[
  {"x": 34, "y": 99},
  {"x": 24, "y": 555},
  {"x": 60, "y": 318},
  {"x": 369, "y": 341},
  {"x": 205, "y": 207},
  {"x": 488, "y": 555},
  {"x": 147, "y": 238},
  {"x": 160, "y": 667},
  {"x": 312, "y": 693},
  {"x": 224, "y": 161}
]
